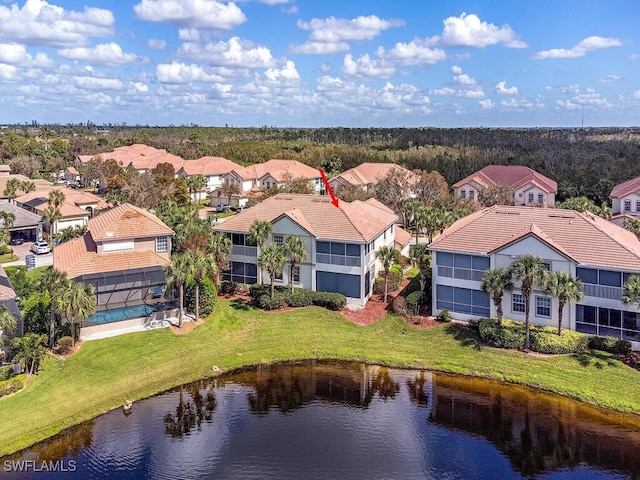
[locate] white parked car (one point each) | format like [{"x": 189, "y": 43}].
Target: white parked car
[{"x": 40, "y": 247}]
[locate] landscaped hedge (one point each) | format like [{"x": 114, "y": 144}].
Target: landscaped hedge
[
  {"x": 208, "y": 296},
  {"x": 414, "y": 300},
  {"x": 395, "y": 279},
  {"x": 13, "y": 385},
  {"x": 301, "y": 297},
  {"x": 543, "y": 339},
  {"x": 610, "y": 344}
]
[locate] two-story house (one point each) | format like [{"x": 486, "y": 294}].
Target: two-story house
[
  {"x": 123, "y": 255},
  {"x": 340, "y": 242},
  {"x": 212, "y": 169},
  {"x": 367, "y": 175},
  {"x": 625, "y": 201},
  {"x": 528, "y": 186},
  {"x": 599, "y": 253}
]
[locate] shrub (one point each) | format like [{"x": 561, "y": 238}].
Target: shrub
[
  {"x": 13, "y": 385},
  {"x": 6, "y": 373},
  {"x": 399, "y": 306},
  {"x": 301, "y": 297},
  {"x": 257, "y": 290},
  {"x": 265, "y": 302},
  {"x": 228, "y": 287},
  {"x": 63, "y": 345},
  {"x": 330, "y": 300},
  {"x": 5, "y": 250},
  {"x": 395, "y": 279},
  {"x": 508, "y": 335},
  {"x": 547, "y": 340},
  {"x": 444, "y": 316},
  {"x": 414, "y": 300},
  {"x": 609, "y": 344},
  {"x": 207, "y": 296}
]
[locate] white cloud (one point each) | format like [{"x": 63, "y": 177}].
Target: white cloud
[
  {"x": 8, "y": 72},
  {"x": 234, "y": 53},
  {"x": 464, "y": 79},
  {"x": 517, "y": 104},
  {"x": 109, "y": 54},
  {"x": 189, "y": 34},
  {"x": 456, "y": 70},
  {"x": 415, "y": 52},
  {"x": 365, "y": 67},
  {"x": 191, "y": 13},
  {"x": 95, "y": 83},
  {"x": 609, "y": 79},
  {"x": 39, "y": 23},
  {"x": 156, "y": 44},
  {"x": 636, "y": 95},
  {"x": 587, "y": 45},
  {"x": 487, "y": 104},
  {"x": 286, "y": 74},
  {"x": 17, "y": 55},
  {"x": 331, "y": 35},
  {"x": 587, "y": 98},
  {"x": 468, "y": 31},
  {"x": 471, "y": 93},
  {"x": 442, "y": 91},
  {"x": 502, "y": 89},
  {"x": 177, "y": 72}
]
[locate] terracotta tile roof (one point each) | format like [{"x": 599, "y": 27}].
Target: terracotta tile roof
[
  {"x": 74, "y": 200},
  {"x": 208, "y": 166},
  {"x": 23, "y": 218},
  {"x": 278, "y": 169},
  {"x": 512, "y": 176},
  {"x": 6, "y": 290},
  {"x": 79, "y": 257},
  {"x": 587, "y": 238},
  {"x": 72, "y": 170},
  {"x": 369, "y": 173},
  {"x": 402, "y": 237},
  {"x": 379, "y": 204},
  {"x": 142, "y": 157},
  {"x": 356, "y": 221},
  {"x": 39, "y": 183},
  {"x": 625, "y": 188},
  {"x": 126, "y": 221}
]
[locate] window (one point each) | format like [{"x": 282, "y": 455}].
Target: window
[
  {"x": 462, "y": 300},
  {"x": 540, "y": 198},
  {"x": 463, "y": 193},
  {"x": 471, "y": 194},
  {"x": 338, "y": 253},
  {"x": 531, "y": 198},
  {"x": 162, "y": 244},
  {"x": 517, "y": 303},
  {"x": 278, "y": 276},
  {"x": 637, "y": 206},
  {"x": 543, "y": 307},
  {"x": 296, "y": 274},
  {"x": 278, "y": 239},
  {"x": 547, "y": 266},
  {"x": 627, "y": 205}
]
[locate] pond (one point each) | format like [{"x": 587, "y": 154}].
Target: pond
[{"x": 315, "y": 420}]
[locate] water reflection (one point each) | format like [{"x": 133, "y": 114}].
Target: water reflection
[{"x": 335, "y": 420}]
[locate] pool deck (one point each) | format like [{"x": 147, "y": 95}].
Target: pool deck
[{"x": 112, "y": 329}]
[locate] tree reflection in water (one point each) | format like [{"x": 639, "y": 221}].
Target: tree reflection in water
[{"x": 192, "y": 412}]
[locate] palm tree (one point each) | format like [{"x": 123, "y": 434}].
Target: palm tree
[
  {"x": 272, "y": 259},
  {"x": 631, "y": 290},
  {"x": 412, "y": 208},
  {"x": 386, "y": 255},
  {"x": 51, "y": 214},
  {"x": 531, "y": 271},
  {"x": 228, "y": 190},
  {"x": 495, "y": 282},
  {"x": 29, "y": 350},
  {"x": 421, "y": 258},
  {"x": 203, "y": 265},
  {"x": 220, "y": 247},
  {"x": 8, "y": 324},
  {"x": 565, "y": 288},
  {"x": 180, "y": 270},
  {"x": 259, "y": 232},
  {"x": 52, "y": 281},
  {"x": 7, "y": 219},
  {"x": 296, "y": 251},
  {"x": 195, "y": 184},
  {"x": 77, "y": 302}
]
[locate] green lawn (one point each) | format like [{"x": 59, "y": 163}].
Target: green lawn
[{"x": 104, "y": 373}]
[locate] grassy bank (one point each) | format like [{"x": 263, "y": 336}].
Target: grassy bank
[{"x": 104, "y": 373}]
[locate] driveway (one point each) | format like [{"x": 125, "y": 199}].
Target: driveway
[{"x": 23, "y": 250}]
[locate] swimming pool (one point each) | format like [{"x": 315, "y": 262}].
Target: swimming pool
[{"x": 121, "y": 313}]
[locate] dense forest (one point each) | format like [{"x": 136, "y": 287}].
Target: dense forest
[{"x": 585, "y": 162}]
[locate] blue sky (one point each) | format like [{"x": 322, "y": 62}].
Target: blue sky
[{"x": 315, "y": 63}]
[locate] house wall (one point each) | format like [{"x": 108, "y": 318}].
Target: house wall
[
  {"x": 618, "y": 204},
  {"x": 523, "y": 196},
  {"x": 138, "y": 244},
  {"x": 71, "y": 222},
  {"x": 467, "y": 187}
]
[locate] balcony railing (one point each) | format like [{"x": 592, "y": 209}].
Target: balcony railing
[
  {"x": 602, "y": 291},
  {"x": 338, "y": 260},
  {"x": 245, "y": 251},
  {"x": 460, "y": 273}
]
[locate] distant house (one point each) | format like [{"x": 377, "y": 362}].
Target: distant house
[
  {"x": 367, "y": 175},
  {"x": 584, "y": 245},
  {"x": 71, "y": 174},
  {"x": 141, "y": 157},
  {"x": 5, "y": 176},
  {"x": 25, "y": 223},
  {"x": 213, "y": 169},
  {"x": 625, "y": 201},
  {"x": 123, "y": 255},
  {"x": 341, "y": 242},
  {"x": 528, "y": 186},
  {"x": 262, "y": 176}
]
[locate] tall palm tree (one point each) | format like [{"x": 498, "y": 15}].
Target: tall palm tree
[
  {"x": 495, "y": 282},
  {"x": 204, "y": 265},
  {"x": 27, "y": 186},
  {"x": 220, "y": 247},
  {"x": 7, "y": 219},
  {"x": 531, "y": 271},
  {"x": 565, "y": 288},
  {"x": 8, "y": 324},
  {"x": 272, "y": 259},
  {"x": 195, "y": 184},
  {"x": 29, "y": 350},
  {"x": 296, "y": 251},
  {"x": 421, "y": 258},
  {"x": 631, "y": 290},
  {"x": 180, "y": 270},
  {"x": 51, "y": 214},
  {"x": 76, "y": 302},
  {"x": 259, "y": 232},
  {"x": 412, "y": 208},
  {"x": 52, "y": 281},
  {"x": 386, "y": 255}
]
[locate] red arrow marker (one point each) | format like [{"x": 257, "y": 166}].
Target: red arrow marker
[{"x": 334, "y": 199}]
